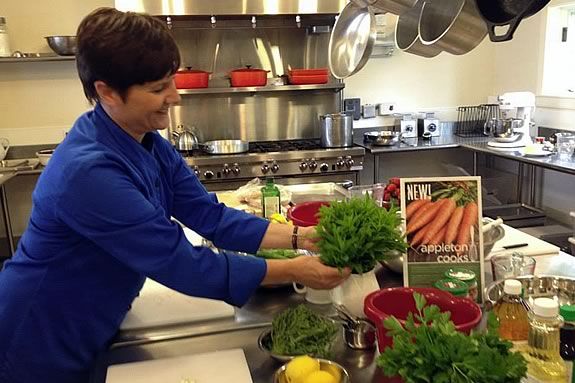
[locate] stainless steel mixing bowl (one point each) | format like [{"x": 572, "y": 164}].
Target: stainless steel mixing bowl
[{"x": 62, "y": 45}]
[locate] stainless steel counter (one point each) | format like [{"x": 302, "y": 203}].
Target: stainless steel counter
[{"x": 240, "y": 332}]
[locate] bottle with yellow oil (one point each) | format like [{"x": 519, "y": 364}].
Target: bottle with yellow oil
[{"x": 543, "y": 357}]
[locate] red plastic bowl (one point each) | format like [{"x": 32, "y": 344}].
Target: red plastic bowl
[
  {"x": 398, "y": 301},
  {"x": 305, "y": 213}
]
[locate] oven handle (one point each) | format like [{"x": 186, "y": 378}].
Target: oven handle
[{"x": 345, "y": 184}]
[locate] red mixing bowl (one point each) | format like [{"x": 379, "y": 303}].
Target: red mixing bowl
[
  {"x": 398, "y": 301},
  {"x": 305, "y": 213}
]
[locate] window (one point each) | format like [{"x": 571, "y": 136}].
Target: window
[{"x": 559, "y": 62}]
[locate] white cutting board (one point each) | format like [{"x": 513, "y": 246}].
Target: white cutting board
[
  {"x": 212, "y": 367},
  {"x": 158, "y": 305},
  {"x": 534, "y": 247}
]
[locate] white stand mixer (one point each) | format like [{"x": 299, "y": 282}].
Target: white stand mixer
[{"x": 515, "y": 105}]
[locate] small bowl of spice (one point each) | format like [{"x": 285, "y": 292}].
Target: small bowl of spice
[{"x": 467, "y": 276}]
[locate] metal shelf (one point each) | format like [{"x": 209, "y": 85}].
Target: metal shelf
[
  {"x": 42, "y": 57},
  {"x": 268, "y": 88}
]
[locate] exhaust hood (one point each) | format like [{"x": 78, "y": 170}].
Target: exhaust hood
[{"x": 231, "y": 7}]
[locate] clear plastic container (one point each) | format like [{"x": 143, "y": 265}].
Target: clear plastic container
[
  {"x": 543, "y": 357},
  {"x": 375, "y": 191},
  {"x": 467, "y": 276},
  {"x": 512, "y": 312}
]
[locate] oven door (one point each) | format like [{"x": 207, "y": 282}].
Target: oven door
[{"x": 346, "y": 179}]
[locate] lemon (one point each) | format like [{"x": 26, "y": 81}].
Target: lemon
[
  {"x": 320, "y": 377},
  {"x": 278, "y": 218},
  {"x": 333, "y": 370},
  {"x": 300, "y": 367}
]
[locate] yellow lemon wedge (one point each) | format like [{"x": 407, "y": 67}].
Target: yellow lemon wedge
[
  {"x": 320, "y": 377},
  {"x": 278, "y": 218},
  {"x": 300, "y": 367}
]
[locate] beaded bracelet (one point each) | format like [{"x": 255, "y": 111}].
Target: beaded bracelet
[{"x": 294, "y": 238}]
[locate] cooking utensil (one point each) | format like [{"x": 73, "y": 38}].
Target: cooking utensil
[
  {"x": 62, "y": 45},
  {"x": 191, "y": 78},
  {"x": 249, "y": 76},
  {"x": 308, "y": 76},
  {"x": 360, "y": 335},
  {"x": 186, "y": 141},
  {"x": 225, "y": 146},
  {"x": 351, "y": 41},
  {"x": 382, "y": 138},
  {"x": 407, "y": 33},
  {"x": 455, "y": 26},
  {"x": 350, "y": 319},
  {"x": 499, "y": 13},
  {"x": 336, "y": 130},
  {"x": 324, "y": 365},
  {"x": 490, "y": 225},
  {"x": 561, "y": 289},
  {"x": 397, "y": 7}
]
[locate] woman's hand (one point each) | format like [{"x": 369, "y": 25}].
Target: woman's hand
[
  {"x": 306, "y": 270},
  {"x": 307, "y": 239}
]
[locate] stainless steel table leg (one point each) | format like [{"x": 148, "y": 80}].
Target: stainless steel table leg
[
  {"x": 7, "y": 220},
  {"x": 519, "y": 182},
  {"x": 532, "y": 180},
  {"x": 375, "y": 169}
]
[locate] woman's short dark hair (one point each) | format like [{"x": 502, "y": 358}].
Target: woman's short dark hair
[{"x": 123, "y": 49}]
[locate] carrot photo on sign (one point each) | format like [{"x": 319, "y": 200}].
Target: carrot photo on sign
[{"x": 443, "y": 221}]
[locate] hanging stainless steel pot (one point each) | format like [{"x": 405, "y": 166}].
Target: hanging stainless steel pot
[
  {"x": 407, "y": 34},
  {"x": 336, "y": 130},
  {"x": 499, "y": 13},
  {"x": 351, "y": 41},
  {"x": 397, "y": 7},
  {"x": 452, "y": 25}
]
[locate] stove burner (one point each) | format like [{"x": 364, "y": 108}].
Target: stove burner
[{"x": 284, "y": 146}]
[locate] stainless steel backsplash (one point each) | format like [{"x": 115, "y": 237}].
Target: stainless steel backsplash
[{"x": 275, "y": 45}]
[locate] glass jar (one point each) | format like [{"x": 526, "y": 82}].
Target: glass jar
[
  {"x": 453, "y": 286},
  {"x": 467, "y": 276},
  {"x": 4, "y": 43}
]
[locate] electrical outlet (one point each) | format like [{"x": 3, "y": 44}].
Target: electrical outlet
[{"x": 386, "y": 108}]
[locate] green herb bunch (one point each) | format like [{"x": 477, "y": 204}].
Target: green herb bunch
[
  {"x": 357, "y": 233},
  {"x": 299, "y": 331},
  {"x": 434, "y": 351}
]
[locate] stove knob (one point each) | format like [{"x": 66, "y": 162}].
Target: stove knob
[
  {"x": 197, "y": 171},
  {"x": 226, "y": 170},
  {"x": 324, "y": 167},
  {"x": 265, "y": 168},
  {"x": 312, "y": 165},
  {"x": 209, "y": 174},
  {"x": 236, "y": 169},
  {"x": 339, "y": 163},
  {"x": 349, "y": 162},
  {"x": 275, "y": 168},
  {"x": 303, "y": 166}
]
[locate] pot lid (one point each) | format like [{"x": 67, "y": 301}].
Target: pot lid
[
  {"x": 352, "y": 40},
  {"x": 249, "y": 68},
  {"x": 190, "y": 70}
]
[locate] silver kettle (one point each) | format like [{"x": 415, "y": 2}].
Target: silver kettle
[{"x": 185, "y": 139}]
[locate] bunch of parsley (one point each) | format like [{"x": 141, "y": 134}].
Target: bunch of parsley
[
  {"x": 434, "y": 351},
  {"x": 357, "y": 233}
]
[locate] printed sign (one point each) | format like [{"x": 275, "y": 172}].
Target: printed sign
[{"x": 442, "y": 218}]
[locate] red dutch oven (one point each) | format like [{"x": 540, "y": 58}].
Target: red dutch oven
[
  {"x": 191, "y": 78},
  {"x": 249, "y": 76}
]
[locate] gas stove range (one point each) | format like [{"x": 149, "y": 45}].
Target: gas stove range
[{"x": 278, "y": 159}]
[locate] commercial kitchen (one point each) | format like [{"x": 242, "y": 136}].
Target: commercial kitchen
[{"x": 382, "y": 103}]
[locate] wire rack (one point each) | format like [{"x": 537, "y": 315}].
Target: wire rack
[{"x": 472, "y": 120}]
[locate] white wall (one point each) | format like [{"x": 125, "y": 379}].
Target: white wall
[{"x": 40, "y": 100}]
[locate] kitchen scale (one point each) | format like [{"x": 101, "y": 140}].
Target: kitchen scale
[{"x": 516, "y": 105}]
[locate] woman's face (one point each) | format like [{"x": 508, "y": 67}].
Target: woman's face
[{"x": 146, "y": 106}]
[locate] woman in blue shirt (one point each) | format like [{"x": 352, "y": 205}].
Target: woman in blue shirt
[{"x": 101, "y": 218}]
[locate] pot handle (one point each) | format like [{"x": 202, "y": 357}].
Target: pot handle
[
  {"x": 513, "y": 24},
  {"x": 206, "y": 148}
]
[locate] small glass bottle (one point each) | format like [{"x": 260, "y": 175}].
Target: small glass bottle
[
  {"x": 567, "y": 339},
  {"x": 544, "y": 360},
  {"x": 512, "y": 313},
  {"x": 4, "y": 41},
  {"x": 453, "y": 286},
  {"x": 271, "y": 203}
]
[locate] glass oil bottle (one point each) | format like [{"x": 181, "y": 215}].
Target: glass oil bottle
[
  {"x": 543, "y": 357},
  {"x": 512, "y": 312},
  {"x": 271, "y": 203}
]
